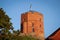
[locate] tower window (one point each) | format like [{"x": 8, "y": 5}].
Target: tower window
[
  {"x": 32, "y": 25},
  {"x": 32, "y": 29},
  {"x": 40, "y": 25}
]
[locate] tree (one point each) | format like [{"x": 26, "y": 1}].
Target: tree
[
  {"x": 5, "y": 23},
  {"x": 4, "y": 20}
]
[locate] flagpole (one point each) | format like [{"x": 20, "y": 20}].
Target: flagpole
[{"x": 30, "y": 6}]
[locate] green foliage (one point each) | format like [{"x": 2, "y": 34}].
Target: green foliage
[
  {"x": 5, "y": 25},
  {"x": 28, "y": 38},
  {"x": 4, "y": 20}
]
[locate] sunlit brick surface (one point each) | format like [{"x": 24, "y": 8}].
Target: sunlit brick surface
[{"x": 32, "y": 24}]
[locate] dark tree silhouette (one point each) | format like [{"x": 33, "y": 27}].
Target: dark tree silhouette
[
  {"x": 5, "y": 24},
  {"x": 5, "y": 20}
]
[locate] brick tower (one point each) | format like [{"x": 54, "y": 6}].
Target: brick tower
[{"x": 32, "y": 24}]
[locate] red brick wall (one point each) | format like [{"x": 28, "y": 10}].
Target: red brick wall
[
  {"x": 33, "y": 20},
  {"x": 56, "y": 36}
]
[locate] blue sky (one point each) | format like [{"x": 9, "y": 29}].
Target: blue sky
[{"x": 49, "y": 8}]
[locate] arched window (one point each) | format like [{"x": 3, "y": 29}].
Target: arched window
[
  {"x": 32, "y": 24},
  {"x": 32, "y": 27},
  {"x": 40, "y": 25}
]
